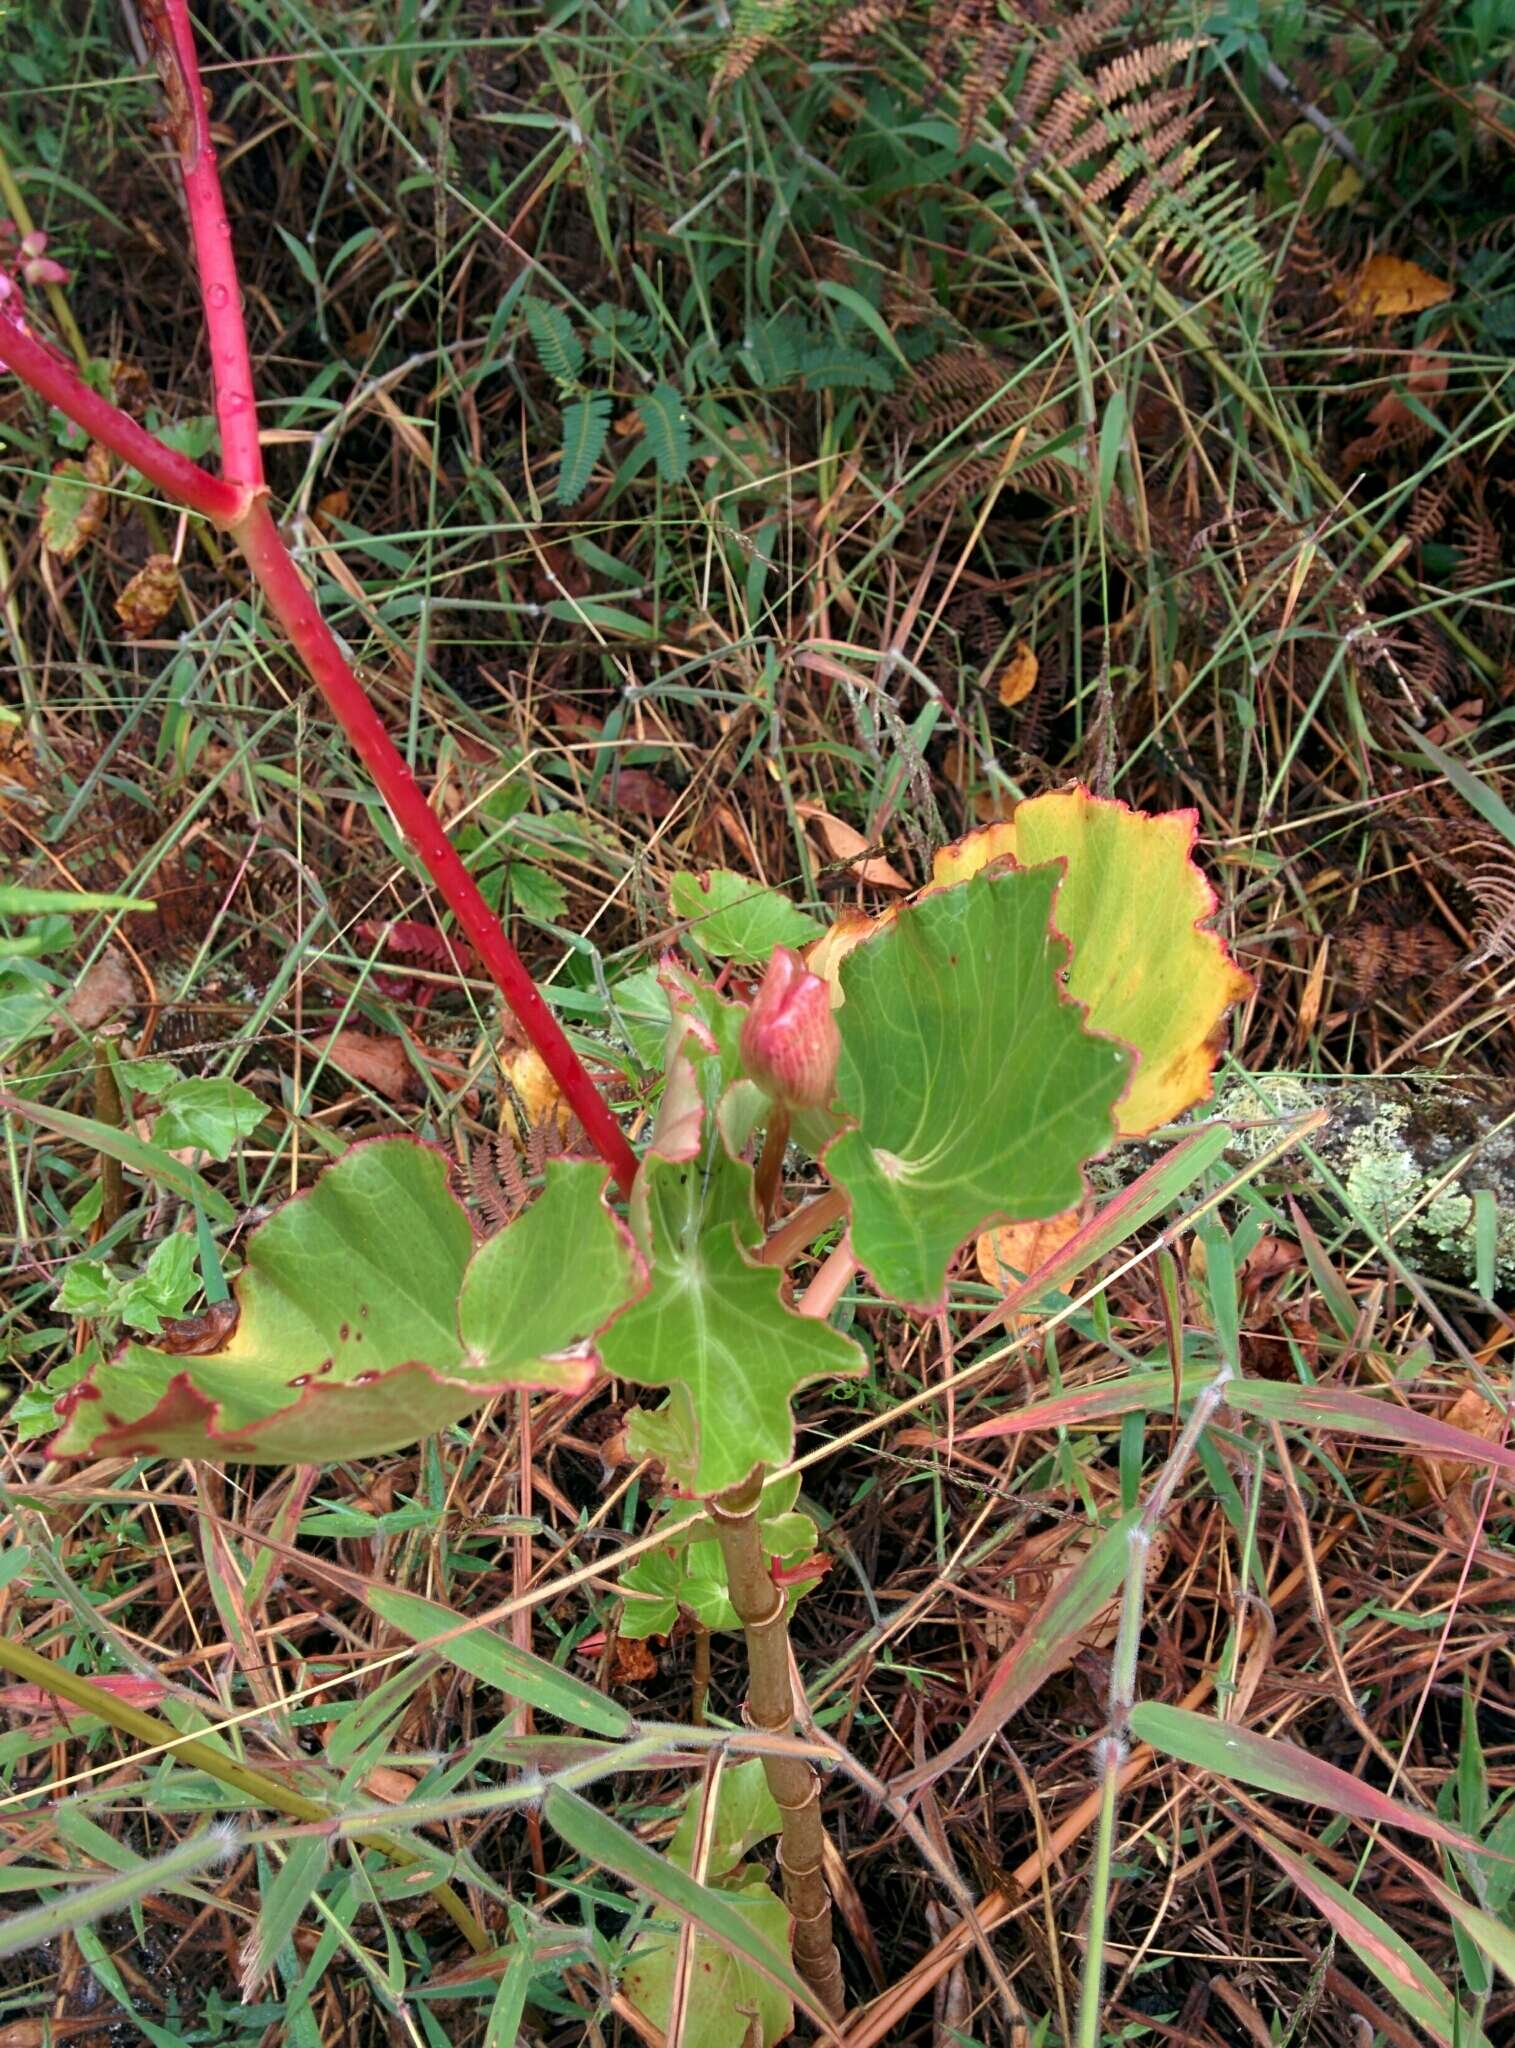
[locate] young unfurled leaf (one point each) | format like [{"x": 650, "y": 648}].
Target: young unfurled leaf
[
  {"x": 976, "y": 1091},
  {"x": 368, "y": 1320},
  {"x": 1131, "y": 905},
  {"x": 711, "y": 1327},
  {"x": 686, "y": 1572},
  {"x": 731, "y": 917},
  {"x": 74, "y": 503},
  {"x": 207, "y": 1116}
]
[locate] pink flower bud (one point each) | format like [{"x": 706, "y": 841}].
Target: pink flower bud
[
  {"x": 790, "y": 1041},
  {"x": 43, "y": 270},
  {"x": 34, "y": 243}
]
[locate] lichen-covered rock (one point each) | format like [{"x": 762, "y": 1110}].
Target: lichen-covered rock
[{"x": 1410, "y": 1156}]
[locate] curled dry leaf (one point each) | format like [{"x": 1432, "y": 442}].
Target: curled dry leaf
[
  {"x": 1013, "y": 1251},
  {"x": 104, "y": 990},
  {"x": 1018, "y": 679},
  {"x": 1389, "y": 287},
  {"x": 379, "y": 1063},
  {"x": 149, "y": 597},
  {"x": 74, "y": 503},
  {"x": 538, "y": 1094},
  {"x": 1480, "y": 1418},
  {"x": 845, "y": 843}
]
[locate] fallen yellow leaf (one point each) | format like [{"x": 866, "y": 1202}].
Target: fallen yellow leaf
[
  {"x": 1012, "y": 1252},
  {"x": 1019, "y": 678},
  {"x": 1388, "y": 287}
]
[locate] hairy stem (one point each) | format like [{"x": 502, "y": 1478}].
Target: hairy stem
[
  {"x": 205, "y": 1755},
  {"x": 764, "y": 1612}
]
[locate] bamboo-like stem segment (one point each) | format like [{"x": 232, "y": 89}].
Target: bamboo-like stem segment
[{"x": 764, "y": 1612}]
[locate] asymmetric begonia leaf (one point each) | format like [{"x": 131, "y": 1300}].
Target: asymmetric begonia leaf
[
  {"x": 976, "y": 1091},
  {"x": 367, "y": 1320},
  {"x": 712, "y": 1328},
  {"x": 1131, "y": 905}
]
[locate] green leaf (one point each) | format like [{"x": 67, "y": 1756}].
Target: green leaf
[
  {"x": 558, "y": 347},
  {"x": 366, "y": 1320},
  {"x": 586, "y": 423},
  {"x": 207, "y": 1116},
  {"x": 487, "y": 1655},
  {"x": 976, "y": 1092},
  {"x": 726, "y": 1994},
  {"x": 149, "y": 1160},
  {"x": 687, "y": 1573},
  {"x": 667, "y": 429},
  {"x": 731, "y": 917},
  {"x": 1391, "y": 1959},
  {"x": 712, "y": 1327},
  {"x": 18, "y": 902},
  {"x": 746, "y": 1813},
  {"x": 164, "y": 1287},
  {"x": 717, "y": 1916},
  {"x": 1269, "y": 1764},
  {"x": 280, "y": 1905},
  {"x": 537, "y": 895},
  {"x": 1048, "y": 1642}
]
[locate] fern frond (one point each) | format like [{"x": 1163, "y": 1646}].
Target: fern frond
[
  {"x": 558, "y": 347},
  {"x": 1128, "y": 74},
  {"x": 666, "y": 426},
  {"x": 754, "y": 24},
  {"x": 586, "y": 425},
  {"x": 844, "y": 32}
]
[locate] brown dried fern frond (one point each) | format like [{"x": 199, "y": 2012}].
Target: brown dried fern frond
[
  {"x": 1493, "y": 890},
  {"x": 497, "y": 1182},
  {"x": 1481, "y": 549},
  {"x": 1133, "y": 70},
  {"x": 844, "y": 34}
]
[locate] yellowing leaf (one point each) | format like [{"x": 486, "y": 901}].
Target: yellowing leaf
[
  {"x": 825, "y": 957},
  {"x": 149, "y": 597},
  {"x": 536, "y": 1091},
  {"x": 1388, "y": 287},
  {"x": 74, "y": 503},
  {"x": 845, "y": 843},
  {"x": 1019, "y": 678},
  {"x": 1131, "y": 903}
]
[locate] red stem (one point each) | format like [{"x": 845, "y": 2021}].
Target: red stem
[
  {"x": 296, "y": 610},
  {"x": 52, "y": 377},
  {"x": 172, "y": 40},
  {"x": 238, "y": 504}
]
